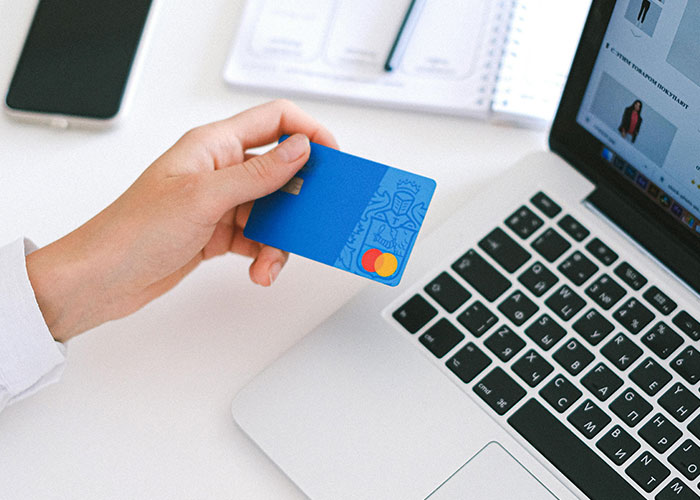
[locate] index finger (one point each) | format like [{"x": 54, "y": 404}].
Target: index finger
[{"x": 262, "y": 125}]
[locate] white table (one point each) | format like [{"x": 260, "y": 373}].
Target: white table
[{"x": 142, "y": 410}]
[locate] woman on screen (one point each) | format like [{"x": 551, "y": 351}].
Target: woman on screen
[{"x": 631, "y": 120}]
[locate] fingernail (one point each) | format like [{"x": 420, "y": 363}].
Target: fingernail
[
  {"x": 275, "y": 271},
  {"x": 294, "y": 147}
]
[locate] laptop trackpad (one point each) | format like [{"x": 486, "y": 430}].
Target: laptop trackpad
[{"x": 492, "y": 473}]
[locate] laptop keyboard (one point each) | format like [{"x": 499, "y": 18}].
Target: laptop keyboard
[{"x": 573, "y": 347}]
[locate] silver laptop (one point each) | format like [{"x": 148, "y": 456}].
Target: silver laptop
[{"x": 552, "y": 350}]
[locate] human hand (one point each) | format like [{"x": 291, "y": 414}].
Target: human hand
[{"x": 191, "y": 204}]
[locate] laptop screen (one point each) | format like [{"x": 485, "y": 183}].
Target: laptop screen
[
  {"x": 643, "y": 98},
  {"x": 628, "y": 120}
]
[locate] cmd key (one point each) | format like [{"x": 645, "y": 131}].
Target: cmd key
[{"x": 499, "y": 391}]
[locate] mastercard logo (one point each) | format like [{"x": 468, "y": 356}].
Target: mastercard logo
[{"x": 382, "y": 263}]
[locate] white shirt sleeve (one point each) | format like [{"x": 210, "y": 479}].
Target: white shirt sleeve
[{"x": 29, "y": 356}]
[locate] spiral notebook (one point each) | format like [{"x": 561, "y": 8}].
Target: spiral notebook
[{"x": 491, "y": 59}]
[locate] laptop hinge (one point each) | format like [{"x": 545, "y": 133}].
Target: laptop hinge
[{"x": 658, "y": 242}]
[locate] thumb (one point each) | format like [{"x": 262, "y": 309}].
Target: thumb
[{"x": 259, "y": 175}]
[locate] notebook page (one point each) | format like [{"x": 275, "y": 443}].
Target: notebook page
[
  {"x": 337, "y": 48},
  {"x": 542, "y": 40}
]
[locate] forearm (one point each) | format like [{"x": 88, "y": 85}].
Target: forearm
[{"x": 64, "y": 286}]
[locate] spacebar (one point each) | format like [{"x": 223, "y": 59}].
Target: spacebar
[{"x": 569, "y": 454}]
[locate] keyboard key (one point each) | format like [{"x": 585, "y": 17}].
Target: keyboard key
[
  {"x": 694, "y": 427},
  {"x": 687, "y": 364},
  {"x": 573, "y": 228},
  {"x": 686, "y": 459},
  {"x": 504, "y": 343},
  {"x": 569, "y": 454},
  {"x": 560, "y": 393},
  {"x": 621, "y": 351},
  {"x": 679, "y": 402},
  {"x": 499, "y": 391},
  {"x": 605, "y": 292},
  {"x": 647, "y": 471},
  {"x": 631, "y": 276},
  {"x": 662, "y": 340},
  {"x": 550, "y": 245},
  {"x": 593, "y": 327},
  {"x": 630, "y": 407},
  {"x": 441, "y": 338},
  {"x": 447, "y": 292},
  {"x": 504, "y": 250},
  {"x": 545, "y": 204},
  {"x": 565, "y": 302},
  {"x": 589, "y": 419},
  {"x": 601, "y": 381},
  {"x": 659, "y": 300},
  {"x": 518, "y": 308},
  {"x": 468, "y": 362},
  {"x": 618, "y": 445},
  {"x": 578, "y": 268},
  {"x": 633, "y": 316},
  {"x": 481, "y": 275},
  {"x": 650, "y": 376},
  {"x": 524, "y": 222},
  {"x": 676, "y": 490},
  {"x": 538, "y": 279},
  {"x": 545, "y": 332},
  {"x": 477, "y": 319},
  {"x": 532, "y": 368},
  {"x": 601, "y": 251},
  {"x": 660, "y": 433},
  {"x": 414, "y": 314},
  {"x": 688, "y": 325},
  {"x": 573, "y": 356}
]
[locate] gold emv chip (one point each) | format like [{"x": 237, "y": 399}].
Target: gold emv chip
[{"x": 293, "y": 186}]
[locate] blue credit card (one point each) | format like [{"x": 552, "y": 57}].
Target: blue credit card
[{"x": 347, "y": 212}]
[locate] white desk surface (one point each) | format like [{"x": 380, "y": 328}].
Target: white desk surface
[{"x": 142, "y": 410}]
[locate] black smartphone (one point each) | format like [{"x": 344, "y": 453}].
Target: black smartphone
[{"x": 77, "y": 59}]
